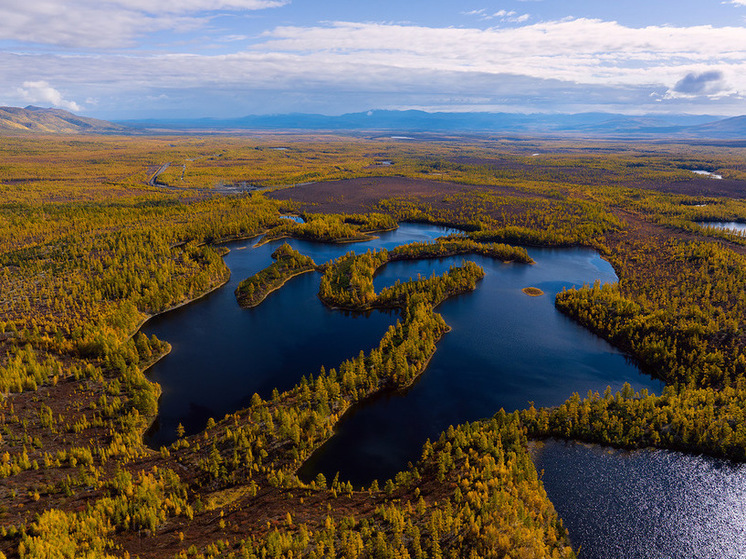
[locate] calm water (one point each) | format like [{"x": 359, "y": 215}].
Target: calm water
[
  {"x": 647, "y": 504},
  {"x": 505, "y": 350},
  {"x": 708, "y": 174},
  {"x": 727, "y": 225},
  {"x": 223, "y": 354}
]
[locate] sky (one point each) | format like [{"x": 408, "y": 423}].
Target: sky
[{"x": 134, "y": 59}]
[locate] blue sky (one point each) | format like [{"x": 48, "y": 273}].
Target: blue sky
[{"x": 121, "y": 59}]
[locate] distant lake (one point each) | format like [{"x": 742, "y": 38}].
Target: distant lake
[
  {"x": 707, "y": 174},
  {"x": 735, "y": 226}
]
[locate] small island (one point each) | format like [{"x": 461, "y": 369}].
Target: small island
[
  {"x": 454, "y": 246},
  {"x": 533, "y": 291},
  {"x": 288, "y": 264}
]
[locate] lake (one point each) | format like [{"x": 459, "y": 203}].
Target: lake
[
  {"x": 222, "y": 354},
  {"x": 505, "y": 350},
  {"x": 730, "y": 226}
]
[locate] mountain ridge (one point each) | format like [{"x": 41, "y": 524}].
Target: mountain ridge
[
  {"x": 604, "y": 125},
  {"x": 592, "y": 124},
  {"x": 52, "y": 121}
]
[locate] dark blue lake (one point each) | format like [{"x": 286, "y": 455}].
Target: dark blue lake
[
  {"x": 222, "y": 354},
  {"x": 505, "y": 350}
]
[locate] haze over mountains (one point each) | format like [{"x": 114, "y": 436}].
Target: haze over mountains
[
  {"x": 36, "y": 119},
  {"x": 421, "y": 121}
]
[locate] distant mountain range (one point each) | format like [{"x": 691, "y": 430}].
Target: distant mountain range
[
  {"x": 658, "y": 127},
  {"x": 57, "y": 121},
  {"x": 583, "y": 124}
]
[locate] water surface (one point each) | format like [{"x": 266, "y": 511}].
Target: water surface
[
  {"x": 648, "y": 504},
  {"x": 731, "y": 226},
  {"x": 505, "y": 350}
]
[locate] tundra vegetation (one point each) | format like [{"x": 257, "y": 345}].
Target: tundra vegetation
[{"x": 91, "y": 247}]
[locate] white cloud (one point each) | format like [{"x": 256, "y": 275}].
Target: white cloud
[
  {"x": 503, "y": 15},
  {"x": 42, "y": 92},
  {"x": 108, "y": 23},
  {"x": 623, "y": 61},
  {"x": 570, "y": 63},
  {"x": 579, "y": 50}
]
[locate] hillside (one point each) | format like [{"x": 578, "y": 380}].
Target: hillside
[
  {"x": 38, "y": 119},
  {"x": 734, "y": 127}
]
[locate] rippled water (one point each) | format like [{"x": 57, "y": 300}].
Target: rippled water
[{"x": 647, "y": 504}]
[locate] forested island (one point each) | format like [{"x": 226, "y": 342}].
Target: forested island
[
  {"x": 89, "y": 250},
  {"x": 289, "y": 263}
]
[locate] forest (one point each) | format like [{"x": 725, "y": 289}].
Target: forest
[{"x": 91, "y": 248}]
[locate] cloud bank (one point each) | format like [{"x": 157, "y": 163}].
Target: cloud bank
[
  {"x": 109, "y": 24},
  {"x": 567, "y": 65},
  {"x": 41, "y": 92}
]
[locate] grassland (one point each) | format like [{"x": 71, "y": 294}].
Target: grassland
[{"x": 89, "y": 249}]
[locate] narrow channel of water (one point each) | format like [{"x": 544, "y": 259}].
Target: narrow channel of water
[{"x": 647, "y": 504}]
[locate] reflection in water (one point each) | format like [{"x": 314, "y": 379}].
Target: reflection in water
[{"x": 647, "y": 504}]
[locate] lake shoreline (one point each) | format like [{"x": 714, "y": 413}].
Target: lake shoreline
[
  {"x": 276, "y": 287},
  {"x": 379, "y": 393}
]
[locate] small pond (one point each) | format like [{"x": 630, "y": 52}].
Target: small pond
[
  {"x": 730, "y": 226},
  {"x": 709, "y": 174}
]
